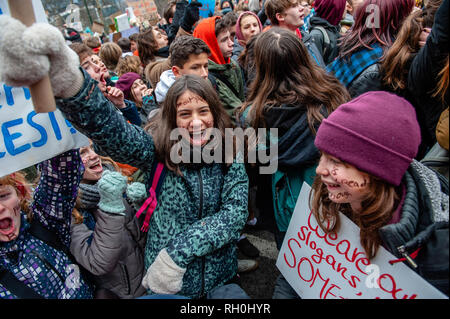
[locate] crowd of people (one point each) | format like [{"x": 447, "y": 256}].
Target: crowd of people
[{"x": 359, "y": 98}]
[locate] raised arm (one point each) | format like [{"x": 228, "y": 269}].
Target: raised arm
[
  {"x": 92, "y": 114},
  {"x": 43, "y": 51},
  {"x": 55, "y": 195}
]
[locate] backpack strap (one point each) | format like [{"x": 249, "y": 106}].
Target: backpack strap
[
  {"x": 157, "y": 175},
  {"x": 326, "y": 38},
  {"x": 50, "y": 238},
  {"x": 17, "y": 287}
]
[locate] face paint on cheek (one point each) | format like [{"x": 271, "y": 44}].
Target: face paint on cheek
[{"x": 344, "y": 195}]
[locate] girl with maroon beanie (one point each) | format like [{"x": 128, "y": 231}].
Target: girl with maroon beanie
[{"x": 367, "y": 171}]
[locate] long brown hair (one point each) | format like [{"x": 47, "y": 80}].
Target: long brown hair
[
  {"x": 364, "y": 34},
  {"x": 377, "y": 210},
  {"x": 147, "y": 46},
  {"x": 285, "y": 74},
  {"x": 161, "y": 126},
  {"x": 395, "y": 64}
]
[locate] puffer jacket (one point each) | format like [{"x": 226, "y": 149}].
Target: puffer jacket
[
  {"x": 164, "y": 84},
  {"x": 48, "y": 271},
  {"x": 199, "y": 215},
  {"x": 423, "y": 224},
  {"x": 112, "y": 250}
]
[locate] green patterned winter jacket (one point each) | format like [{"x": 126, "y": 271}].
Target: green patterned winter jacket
[{"x": 199, "y": 215}]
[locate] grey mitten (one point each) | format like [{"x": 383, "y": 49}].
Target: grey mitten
[
  {"x": 164, "y": 276},
  {"x": 111, "y": 187},
  {"x": 29, "y": 54},
  {"x": 137, "y": 194}
]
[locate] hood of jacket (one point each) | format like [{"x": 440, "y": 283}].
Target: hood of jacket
[
  {"x": 166, "y": 81},
  {"x": 318, "y": 21},
  {"x": 206, "y": 30},
  {"x": 425, "y": 205}
]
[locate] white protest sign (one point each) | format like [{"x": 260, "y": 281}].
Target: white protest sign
[
  {"x": 320, "y": 266},
  {"x": 27, "y": 138}
]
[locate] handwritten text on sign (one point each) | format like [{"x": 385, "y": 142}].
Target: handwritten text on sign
[
  {"x": 27, "y": 138},
  {"x": 322, "y": 266}
]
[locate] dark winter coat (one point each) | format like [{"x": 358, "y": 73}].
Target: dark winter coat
[
  {"x": 111, "y": 247},
  {"x": 423, "y": 76},
  {"x": 49, "y": 271},
  {"x": 423, "y": 224}
]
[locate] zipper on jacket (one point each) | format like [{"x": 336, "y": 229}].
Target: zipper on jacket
[
  {"x": 50, "y": 266},
  {"x": 405, "y": 255},
  {"x": 127, "y": 278},
  {"x": 200, "y": 215}
]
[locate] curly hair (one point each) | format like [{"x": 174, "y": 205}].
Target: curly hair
[{"x": 129, "y": 63}]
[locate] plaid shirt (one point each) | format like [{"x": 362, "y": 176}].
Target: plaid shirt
[{"x": 347, "y": 71}]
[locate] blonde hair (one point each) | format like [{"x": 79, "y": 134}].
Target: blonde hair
[
  {"x": 130, "y": 63},
  {"x": 110, "y": 54}
]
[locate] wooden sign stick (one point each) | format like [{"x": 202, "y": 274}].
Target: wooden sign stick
[{"x": 41, "y": 92}]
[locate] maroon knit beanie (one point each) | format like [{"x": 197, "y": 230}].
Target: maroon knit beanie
[
  {"x": 376, "y": 132},
  {"x": 125, "y": 82},
  {"x": 330, "y": 10}
]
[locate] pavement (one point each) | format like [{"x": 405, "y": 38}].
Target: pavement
[{"x": 259, "y": 283}]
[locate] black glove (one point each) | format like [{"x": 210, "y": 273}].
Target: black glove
[
  {"x": 180, "y": 7},
  {"x": 191, "y": 15}
]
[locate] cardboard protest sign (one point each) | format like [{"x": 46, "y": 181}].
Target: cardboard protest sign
[
  {"x": 27, "y": 138},
  {"x": 142, "y": 7},
  {"x": 207, "y": 9},
  {"x": 325, "y": 266}
]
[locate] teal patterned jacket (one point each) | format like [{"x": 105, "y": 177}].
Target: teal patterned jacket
[{"x": 199, "y": 215}]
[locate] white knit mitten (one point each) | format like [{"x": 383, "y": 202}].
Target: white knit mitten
[
  {"x": 164, "y": 276},
  {"x": 29, "y": 54}
]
